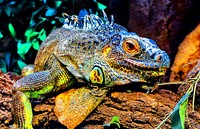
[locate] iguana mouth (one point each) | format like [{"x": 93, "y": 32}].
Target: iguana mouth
[
  {"x": 147, "y": 71},
  {"x": 143, "y": 71},
  {"x": 145, "y": 65}
]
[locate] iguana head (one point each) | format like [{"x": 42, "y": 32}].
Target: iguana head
[
  {"x": 128, "y": 58},
  {"x": 105, "y": 53}
]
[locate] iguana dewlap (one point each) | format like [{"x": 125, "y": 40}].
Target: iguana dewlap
[{"x": 92, "y": 50}]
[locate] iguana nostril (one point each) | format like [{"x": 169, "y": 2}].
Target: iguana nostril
[{"x": 157, "y": 57}]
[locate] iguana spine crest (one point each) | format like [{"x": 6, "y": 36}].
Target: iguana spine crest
[{"x": 90, "y": 22}]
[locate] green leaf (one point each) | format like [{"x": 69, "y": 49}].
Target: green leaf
[
  {"x": 42, "y": 20},
  {"x": 7, "y": 58},
  {"x": 44, "y": 1},
  {"x": 58, "y": 3},
  {"x": 28, "y": 32},
  {"x": 178, "y": 114},
  {"x": 36, "y": 45},
  {"x": 31, "y": 35},
  {"x": 1, "y": 35},
  {"x": 129, "y": 91},
  {"x": 22, "y": 49},
  {"x": 115, "y": 121},
  {"x": 8, "y": 10},
  {"x": 21, "y": 64},
  {"x": 50, "y": 12},
  {"x": 32, "y": 22},
  {"x": 53, "y": 22},
  {"x": 12, "y": 30},
  {"x": 3, "y": 66},
  {"x": 101, "y": 6},
  {"x": 182, "y": 112},
  {"x": 53, "y": 28},
  {"x": 42, "y": 35}
]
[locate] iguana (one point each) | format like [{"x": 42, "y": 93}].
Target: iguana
[{"x": 92, "y": 50}]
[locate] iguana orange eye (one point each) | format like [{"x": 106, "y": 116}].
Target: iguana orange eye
[{"x": 131, "y": 46}]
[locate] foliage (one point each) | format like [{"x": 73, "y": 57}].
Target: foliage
[
  {"x": 12, "y": 30},
  {"x": 1, "y": 35},
  {"x": 114, "y": 123},
  {"x": 179, "y": 112},
  {"x": 25, "y": 24}
]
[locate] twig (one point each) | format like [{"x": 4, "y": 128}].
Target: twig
[
  {"x": 194, "y": 82},
  {"x": 169, "y": 114}
]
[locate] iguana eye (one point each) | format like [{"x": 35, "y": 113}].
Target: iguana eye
[{"x": 131, "y": 46}]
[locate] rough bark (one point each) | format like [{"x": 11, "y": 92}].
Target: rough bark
[
  {"x": 6, "y": 83},
  {"x": 135, "y": 109}
]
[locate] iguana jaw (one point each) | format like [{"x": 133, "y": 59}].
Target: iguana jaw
[
  {"x": 127, "y": 71},
  {"x": 146, "y": 65}
]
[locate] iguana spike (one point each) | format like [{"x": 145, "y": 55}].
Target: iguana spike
[
  {"x": 86, "y": 22},
  {"x": 66, "y": 16},
  {"x": 74, "y": 21},
  {"x": 91, "y": 22},
  {"x": 98, "y": 19},
  {"x": 105, "y": 17},
  {"x": 94, "y": 20},
  {"x": 112, "y": 20}
]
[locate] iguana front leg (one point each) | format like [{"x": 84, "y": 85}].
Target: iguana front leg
[{"x": 37, "y": 85}]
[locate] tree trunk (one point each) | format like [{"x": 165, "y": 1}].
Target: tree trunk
[{"x": 135, "y": 109}]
